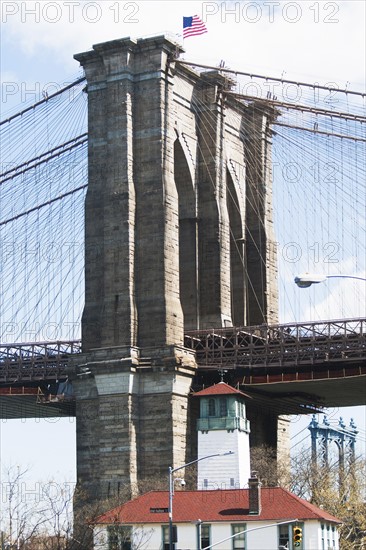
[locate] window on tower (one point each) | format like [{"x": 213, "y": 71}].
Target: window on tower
[
  {"x": 223, "y": 406},
  {"x": 211, "y": 407}
]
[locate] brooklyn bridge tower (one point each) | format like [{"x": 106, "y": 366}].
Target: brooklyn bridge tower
[{"x": 179, "y": 236}]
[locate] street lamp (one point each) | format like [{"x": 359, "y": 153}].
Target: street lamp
[
  {"x": 308, "y": 279},
  {"x": 171, "y": 489}
]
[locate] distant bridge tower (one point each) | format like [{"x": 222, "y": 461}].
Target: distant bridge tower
[
  {"x": 323, "y": 434},
  {"x": 178, "y": 236}
]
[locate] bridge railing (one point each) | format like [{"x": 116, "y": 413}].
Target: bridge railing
[
  {"x": 280, "y": 345},
  {"x": 36, "y": 360}
]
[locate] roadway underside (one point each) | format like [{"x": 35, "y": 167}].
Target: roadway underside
[
  {"x": 27, "y": 406},
  {"x": 302, "y": 393},
  {"x": 331, "y": 392},
  {"x": 333, "y": 384},
  {"x": 295, "y": 396}
]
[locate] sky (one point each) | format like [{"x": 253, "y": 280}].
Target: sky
[{"x": 311, "y": 41}]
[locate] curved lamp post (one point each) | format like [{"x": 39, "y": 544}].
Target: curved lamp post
[
  {"x": 171, "y": 489},
  {"x": 308, "y": 279}
]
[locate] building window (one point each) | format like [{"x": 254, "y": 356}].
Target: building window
[
  {"x": 205, "y": 535},
  {"x": 211, "y": 407},
  {"x": 329, "y": 537},
  {"x": 165, "y": 537},
  {"x": 239, "y": 540},
  {"x": 119, "y": 537},
  {"x": 283, "y": 537}
]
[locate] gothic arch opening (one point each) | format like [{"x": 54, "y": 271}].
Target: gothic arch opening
[
  {"x": 188, "y": 283},
  {"x": 237, "y": 268}
]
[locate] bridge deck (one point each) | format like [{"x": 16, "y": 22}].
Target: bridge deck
[
  {"x": 326, "y": 360},
  {"x": 36, "y": 361},
  {"x": 322, "y": 363},
  {"x": 288, "y": 345}
]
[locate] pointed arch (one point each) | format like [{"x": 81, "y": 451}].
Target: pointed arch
[
  {"x": 188, "y": 271},
  {"x": 237, "y": 267}
]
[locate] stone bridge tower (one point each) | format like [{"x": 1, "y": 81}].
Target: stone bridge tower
[{"x": 178, "y": 237}]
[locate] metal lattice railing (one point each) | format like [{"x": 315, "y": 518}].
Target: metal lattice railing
[
  {"x": 280, "y": 345},
  {"x": 36, "y": 360},
  {"x": 288, "y": 345}
]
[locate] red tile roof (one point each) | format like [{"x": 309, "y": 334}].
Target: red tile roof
[
  {"x": 214, "y": 506},
  {"x": 220, "y": 389}
]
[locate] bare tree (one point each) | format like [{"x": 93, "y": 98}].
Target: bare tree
[
  {"x": 22, "y": 512},
  {"x": 339, "y": 490},
  {"x": 271, "y": 472},
  {"x": 35, "y": 515},
  {"x": 56, "y": 533},
  {"x": 86, "y": 514}
]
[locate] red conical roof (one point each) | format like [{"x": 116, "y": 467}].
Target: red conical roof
[{"x": 220, "y": 389}]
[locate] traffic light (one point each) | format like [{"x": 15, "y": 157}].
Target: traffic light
[{"x": 297, "y": 536}]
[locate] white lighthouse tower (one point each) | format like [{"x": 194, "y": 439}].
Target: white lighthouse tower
[{"x": 222, "y": 427}]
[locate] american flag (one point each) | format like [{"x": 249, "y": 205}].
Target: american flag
[{"x": 193, "y": 26}]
